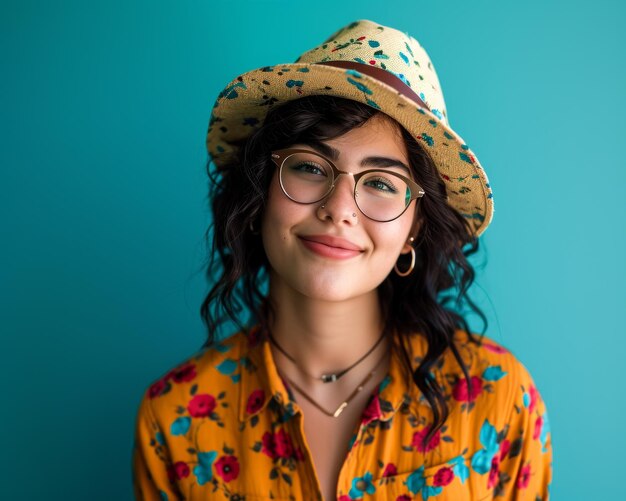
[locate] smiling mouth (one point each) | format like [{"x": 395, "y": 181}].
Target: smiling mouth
[{"x": 330, "y": 251}]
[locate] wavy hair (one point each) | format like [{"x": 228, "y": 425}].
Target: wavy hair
[{"x": 428, "y": 301}]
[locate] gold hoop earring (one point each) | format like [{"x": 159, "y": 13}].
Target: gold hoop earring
[{"x": 407, "y": 272}]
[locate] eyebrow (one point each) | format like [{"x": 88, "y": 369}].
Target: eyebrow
[{"x": 371, "y": 161}]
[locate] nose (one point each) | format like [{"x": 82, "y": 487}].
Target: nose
[{"x": 339, "y": 205}]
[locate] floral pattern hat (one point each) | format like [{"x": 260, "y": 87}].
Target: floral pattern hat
[{"x": 373, "y": 64}]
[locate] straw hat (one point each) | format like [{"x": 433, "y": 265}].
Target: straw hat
[{"x": 373, "y": 64}]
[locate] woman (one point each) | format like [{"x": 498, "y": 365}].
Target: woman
[{"x": 344, "y": 212}]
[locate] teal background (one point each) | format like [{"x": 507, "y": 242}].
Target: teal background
[{"x": 103, "y": 207}]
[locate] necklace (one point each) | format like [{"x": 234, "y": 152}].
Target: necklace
[
  {"x": 345, "y": 403},
  {"x": 326, "y": 378}
]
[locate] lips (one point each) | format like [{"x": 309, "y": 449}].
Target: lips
[
  {"x": 329, "y": 247},
  {"x": 330, "y": 241}
]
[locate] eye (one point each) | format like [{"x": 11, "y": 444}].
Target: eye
[
  {"x": 380, "y": 183},
  {"x": 308, "y": 167}
]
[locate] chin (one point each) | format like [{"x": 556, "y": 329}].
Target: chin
[{"x": 331, "y": 291}]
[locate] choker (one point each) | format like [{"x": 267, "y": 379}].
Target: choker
[{"x": 326, "y": 378}]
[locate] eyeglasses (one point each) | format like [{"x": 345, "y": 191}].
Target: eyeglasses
[{"x": 307, "y": 177}]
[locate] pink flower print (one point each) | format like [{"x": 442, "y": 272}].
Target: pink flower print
[
  {"x": 255, "y": 401},
  {"x": 523, "y": 477},
  {"x": 494, "y": 474},
  {"x": 227, "y": 467},
  {"x": 284, "y": 445},
  {"x": 268, "y": 445},
  {"x": 181, "y": 470},
  {"x": 183, "y": 374},
  {"x": 418, "y": 440},
  {"x": 505, "y": 447},
  {"x": 390, "y": 470},
  {"x": 157, "y": 388},
  {"x": 404, "y": 497},
  {"x": 372, "y": 411},
  {"x": 443, "y": 477},
  {"x": 538, "y": 425},
  {"x": 494, "y": 348},
  {"x": 201, "y": 405},
  {"x": 534, "y": 396},
  {"x": 460, "y": 391}
]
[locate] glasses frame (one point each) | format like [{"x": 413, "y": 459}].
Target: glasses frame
[{"x": 279, "y": 157}]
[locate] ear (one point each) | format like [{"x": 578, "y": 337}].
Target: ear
[
  {"x": 407, "y": 246},
  {"x": 415, "y": 229},
  {"x": 418, "y": 219}
]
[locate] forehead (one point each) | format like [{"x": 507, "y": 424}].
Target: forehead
[{"x": 380, "y": 132}]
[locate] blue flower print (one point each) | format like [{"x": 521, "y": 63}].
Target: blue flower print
[
  {"x": 459, "y": 468},
  {"x": 204, "y": 470},
  {"x": 361, "y": 485},
  {"x": 180, "y": 426},
  {"x": 428, "y": 491},
  {"x": 493, "y": 373},
  {"x": 416, "y": 480},
  {"x": 228, "y": 367},
  {"x": 481, "y": 460},
  {"x": 416, "y": 483}
]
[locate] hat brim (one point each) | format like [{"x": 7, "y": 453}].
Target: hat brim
[{"x": 242, "y": 106}]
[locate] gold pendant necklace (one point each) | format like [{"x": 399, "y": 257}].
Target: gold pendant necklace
[{"x": 345, "y": 403}]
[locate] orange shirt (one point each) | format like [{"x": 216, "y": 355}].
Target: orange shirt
[{"x": 223, "y": 425}]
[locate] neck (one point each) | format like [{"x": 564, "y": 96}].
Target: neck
[{"x": 325, "y": 336}]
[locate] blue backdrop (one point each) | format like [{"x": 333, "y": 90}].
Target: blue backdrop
[{"x": 103, "y": 208}]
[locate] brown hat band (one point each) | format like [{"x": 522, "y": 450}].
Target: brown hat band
[{"x": 382, "y": 75}]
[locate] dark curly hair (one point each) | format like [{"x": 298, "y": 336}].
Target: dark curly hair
[{"x": 428, "y": 301}]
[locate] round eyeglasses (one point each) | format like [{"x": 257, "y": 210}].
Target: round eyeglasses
[{"x": 307, "y": 177}]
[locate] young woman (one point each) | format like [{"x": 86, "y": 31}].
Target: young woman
[{"x": 344, "y": 209}]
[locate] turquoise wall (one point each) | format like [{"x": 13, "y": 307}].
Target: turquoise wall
[{"x": 103, "y": 208}]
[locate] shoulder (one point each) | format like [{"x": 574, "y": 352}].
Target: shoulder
[
  {"x": 501, "y": 389},
  {"x": 492, "y": 362},
  {"x": 483, "y": 358},
  {"x": 499, "y": 385},
  {"x": 210, "y": 371}
]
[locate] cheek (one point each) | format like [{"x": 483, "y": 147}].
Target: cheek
[
  {"x": 280, "y": 215},
  {"x": 392, "y": 236}
]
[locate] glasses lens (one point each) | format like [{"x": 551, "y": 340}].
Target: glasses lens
[
  {"x": 306, "y": 177},
  {"x": 383, "y": 196}
]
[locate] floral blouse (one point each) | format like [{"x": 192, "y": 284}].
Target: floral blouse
[{"x": 224, "y": 425}]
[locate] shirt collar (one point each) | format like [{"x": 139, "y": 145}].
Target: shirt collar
[
  {"x": 262, "y": 384},
  {"x": 397, "y": 389}
]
